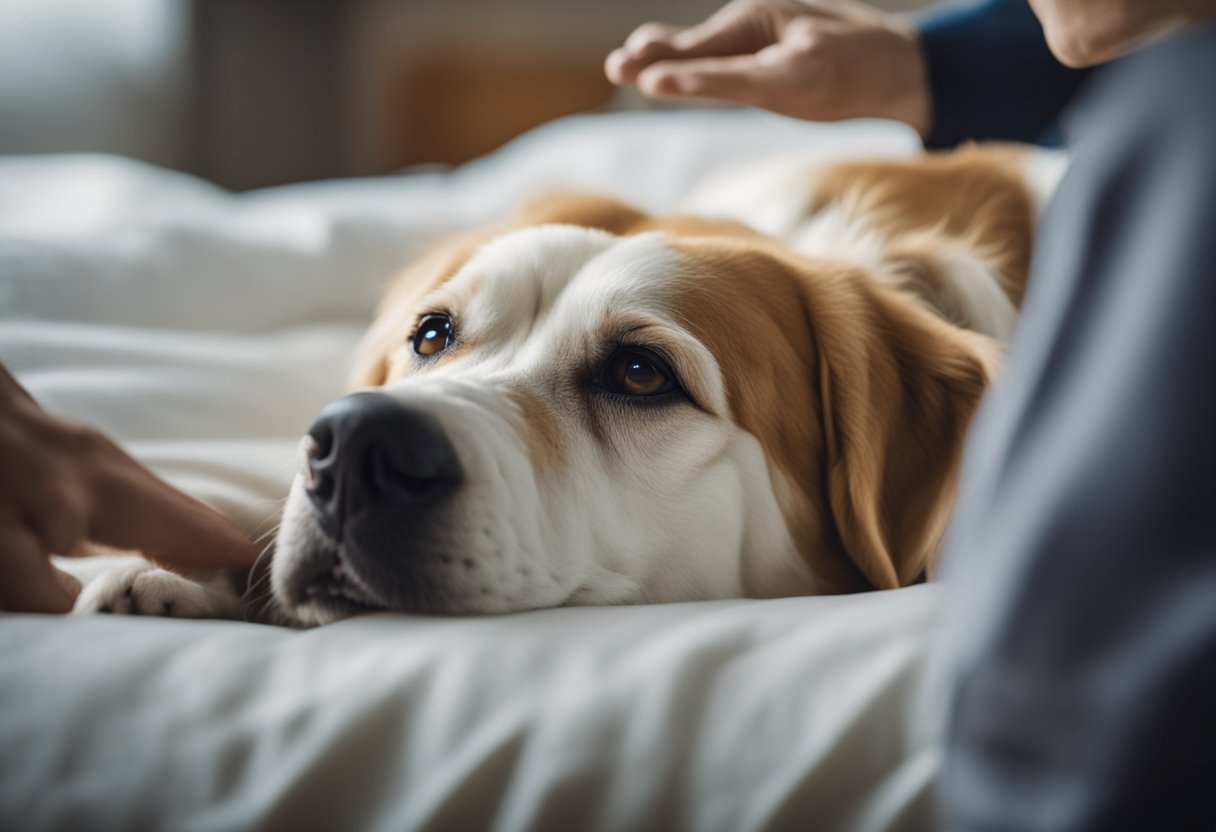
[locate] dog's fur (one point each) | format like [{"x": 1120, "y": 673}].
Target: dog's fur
[{"x": 827, "y": 372}]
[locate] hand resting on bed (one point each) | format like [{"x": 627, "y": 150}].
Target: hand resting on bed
[{"x": 65, "y": 485}]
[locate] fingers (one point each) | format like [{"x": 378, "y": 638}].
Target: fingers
[
  {"x": 759, "y": 80},
  {"x": 722, "y": 34},
  {"x": 135, "y": 509},
  {"x": 729, "y": 32},
  {"x": 132, "y": 508},
  {"x": 732, "y": 79},
  {"x": 29, "y": 583},
  {"x": 64, "y": 483},
  {"x": 11, "y": 389},
  {"x": 56, "y": 515},
  {"x": 648, "y": 43},
  {"x": 70, "y": 583}
]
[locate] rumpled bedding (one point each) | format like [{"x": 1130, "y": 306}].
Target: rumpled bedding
[{"x": 204, "y": 330}]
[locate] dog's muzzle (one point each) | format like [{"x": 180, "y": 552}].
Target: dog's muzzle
[{"x": 372, "y": 458}]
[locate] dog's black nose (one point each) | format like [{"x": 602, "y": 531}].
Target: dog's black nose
[{"x": 368, "y": 449}]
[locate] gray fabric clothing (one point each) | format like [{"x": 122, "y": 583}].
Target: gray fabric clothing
[{"x": 1081, "y": 565}]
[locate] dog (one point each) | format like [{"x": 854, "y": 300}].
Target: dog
[{"x": 764, "y": 395}]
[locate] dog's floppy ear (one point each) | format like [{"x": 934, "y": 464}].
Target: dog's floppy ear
[
  {"x": 898, "y": 387},
  {"x": 587, "y": 210}
]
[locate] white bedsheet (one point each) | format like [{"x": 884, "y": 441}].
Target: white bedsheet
[{"x": 204, "y": 330}]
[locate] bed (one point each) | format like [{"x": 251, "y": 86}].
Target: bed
[{"x": 204, "y": 330}]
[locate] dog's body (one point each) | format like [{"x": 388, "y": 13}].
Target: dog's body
[{"x": 589, "y": 405}]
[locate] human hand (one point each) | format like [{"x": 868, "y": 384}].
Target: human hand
[
  {"x": 63, "y": 484},
  {"x": 820, "y": 60}
]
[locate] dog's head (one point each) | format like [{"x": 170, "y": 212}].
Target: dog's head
[{"x": 591, "y": 406}]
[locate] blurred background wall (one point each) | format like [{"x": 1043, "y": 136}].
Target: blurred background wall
[{"x": 250, "y": 93}]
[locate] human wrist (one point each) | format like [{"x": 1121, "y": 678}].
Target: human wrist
[{"x": 908, "y": 99}]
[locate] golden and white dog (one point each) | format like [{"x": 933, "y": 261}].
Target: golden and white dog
[{"x": 590, "y": 405}]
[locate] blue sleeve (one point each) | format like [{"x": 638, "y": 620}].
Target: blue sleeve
[
  {"x": 991, "y": 75},
  {"x": 1080, "y": 574}
]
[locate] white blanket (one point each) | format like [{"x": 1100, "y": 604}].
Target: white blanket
[{"x": 204, "y": 330}]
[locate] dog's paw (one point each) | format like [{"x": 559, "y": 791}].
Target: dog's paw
[{"x": 140, "y": 588}]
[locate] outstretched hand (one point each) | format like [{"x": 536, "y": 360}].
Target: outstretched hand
[
  {"x": 63, "y": 485},
  {"x": 820, "y": 60}
]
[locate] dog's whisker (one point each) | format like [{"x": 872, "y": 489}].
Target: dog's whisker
[
  {"x": 271, "y": 518},
  {"x": 259, "y": 572}
]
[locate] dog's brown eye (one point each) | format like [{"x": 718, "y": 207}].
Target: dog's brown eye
[
  {"x": 433, "y": 335},
  {"x": 638, "y": 372}
]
